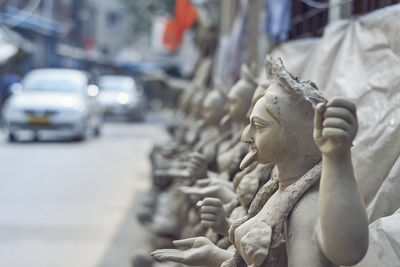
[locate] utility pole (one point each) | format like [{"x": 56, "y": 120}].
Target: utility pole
[{"x": 340, "y": 9}]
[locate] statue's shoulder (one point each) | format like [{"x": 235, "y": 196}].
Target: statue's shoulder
[
  {"x": 304, "y": 215},
  {"x": 301, "y": 231}
]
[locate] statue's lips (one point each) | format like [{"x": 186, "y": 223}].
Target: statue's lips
[{"x": 249, "y": 159}]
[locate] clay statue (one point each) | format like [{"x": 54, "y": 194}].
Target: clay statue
[
  {"x": 212, "y": 111},
  {"x": 316, "y": 217},
  {"x": 231, "y": 152}
]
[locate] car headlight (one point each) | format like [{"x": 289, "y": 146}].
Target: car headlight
[
  {"x": 123, "y": 98},
  {"x": 12, "y": 111},
  {"x": 76, "y": 106}
]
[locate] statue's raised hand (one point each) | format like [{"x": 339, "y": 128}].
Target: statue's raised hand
[
  {"x": 212, "y": 214},
  {"x": 335, "y": 126},
  {"x": 196, "y": 251},
  {"x": 197, "y": 165}
]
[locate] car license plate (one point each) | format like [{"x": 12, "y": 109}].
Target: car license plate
[{"x": 39, "y": 120}]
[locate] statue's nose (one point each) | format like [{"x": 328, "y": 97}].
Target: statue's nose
[{"x": 247, "y": 136}]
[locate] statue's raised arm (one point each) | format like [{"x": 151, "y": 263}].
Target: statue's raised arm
[{"x": 343, "y": 231}]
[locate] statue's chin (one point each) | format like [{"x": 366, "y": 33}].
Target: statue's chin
[{"x": 249, "y": 159}]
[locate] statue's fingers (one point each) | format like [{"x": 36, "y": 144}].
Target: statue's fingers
[
  {"x": 174, "y": 258},
  {"x": 174, "y": 255},
  {"x": 193, "y": 166},
  {"x": 339, "y": 112},
  {"x": 337, "y": 123},
  {"x": 184, "y": 243},
  {"x": 207, "y": 223},
  {"x": 208, "y": 216},
  {"x": 335, "y": 134},
  {"x": 184, "y": 189},
  {"x": 208, "y": 209},
  {"x": 318, "y": 119},
  {"x": 343, "y": 103},
  {"x": 203, "y": 182},
  {"x": 194, "y": 154},
  {"x": 197, "y": 156},
  {"x": 212, "y": 201},
  {"x": 199, "y": 204},
  {"x": 189, "y": 190},
  {"x": 195, "y": 162}
]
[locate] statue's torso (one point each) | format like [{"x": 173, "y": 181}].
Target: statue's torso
[{"x": 299, "y": 232}]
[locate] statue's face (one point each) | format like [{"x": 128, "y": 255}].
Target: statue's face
[
  {"x": 196, "y": 104},
  {"x": 237, "y": 106},
  {"x": 212, "y": 113},
  {"x": 264, "y": 134}
]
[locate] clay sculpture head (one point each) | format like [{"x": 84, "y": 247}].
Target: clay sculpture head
[
  {"x": 213, "y": 108},
  {"x": 281, "y": 123},
  {"x": 240, "y": 96},
  {"x": 186, "y": 98},
  {"x": 196, "y": 102}
]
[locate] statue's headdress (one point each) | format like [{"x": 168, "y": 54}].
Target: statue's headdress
[{"x": 306, "y": 90}]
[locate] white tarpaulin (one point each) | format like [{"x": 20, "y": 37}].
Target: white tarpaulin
[
  {"x": 360, "y": 60},
  {"x": 384, "y": 240}
]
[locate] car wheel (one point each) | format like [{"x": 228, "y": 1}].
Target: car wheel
[
  {"x": 97, "y": 131},
  {"x": 35, "y": 137},
  {"x": 11, "y": 137},
  {"x": 137, "y": 117},
  {"x": 80, "y": 137}
]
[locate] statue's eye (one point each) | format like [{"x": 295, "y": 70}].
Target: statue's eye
[{"x": 259, "y": 126}]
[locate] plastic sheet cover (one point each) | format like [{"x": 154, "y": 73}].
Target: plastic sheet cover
[
  {"x": 360, "y": 60},
  {"x": 384, "y": 240}
]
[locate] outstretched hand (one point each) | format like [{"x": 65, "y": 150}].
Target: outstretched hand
[
  {"x": 214, "y": 181},
  {"x": 196, "y": 251},
  {"x": 335, "y": 126},
  {"x": 224, "y": 193}
]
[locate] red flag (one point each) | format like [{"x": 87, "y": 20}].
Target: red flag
[{"x": 185, "y": 15}]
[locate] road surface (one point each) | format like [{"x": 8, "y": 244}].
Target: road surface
[{"x": 72, "y": 204}]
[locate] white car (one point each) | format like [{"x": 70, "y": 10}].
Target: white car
[
  {"x": 120, "y": 97},
  {"x": 57, "y": 100}
]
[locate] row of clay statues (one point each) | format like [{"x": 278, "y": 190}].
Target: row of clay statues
[{"x": 279, "y": 191}]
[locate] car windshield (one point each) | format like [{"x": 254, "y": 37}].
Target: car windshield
[
  {"x": 117, "y": 84},
  {"x": 62, "y": 86},
  {"x": 54, "y": 82}
]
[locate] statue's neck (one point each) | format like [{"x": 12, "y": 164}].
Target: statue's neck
[{"x": 293, "y": 169}]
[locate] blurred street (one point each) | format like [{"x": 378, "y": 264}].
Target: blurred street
[{"x": 72, "y": 204}]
